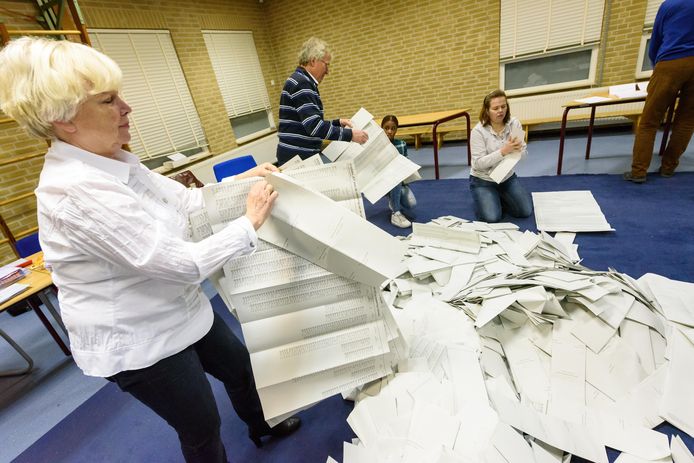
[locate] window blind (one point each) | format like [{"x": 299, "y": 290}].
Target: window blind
[
  {"x": 164, "y": 119},
  {"x": 237, "y": 69},
  {"x": 534, "y": 26},
  {"x": 651, "y": 11}
]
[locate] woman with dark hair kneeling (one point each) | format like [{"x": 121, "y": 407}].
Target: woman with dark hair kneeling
[{"x": 490, "y": 141}]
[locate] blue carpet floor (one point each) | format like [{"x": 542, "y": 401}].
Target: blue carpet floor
[{"x": 653, "y": 223}]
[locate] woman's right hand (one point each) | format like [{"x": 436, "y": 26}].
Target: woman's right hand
[
  {"x": 511, "y": 145},
  {"x": 259, "y": 203}
]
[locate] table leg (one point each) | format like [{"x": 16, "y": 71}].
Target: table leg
[
  {"x": 49, "y": 327},
  {"x": 469, "y": 149},
  {"x": 562, "y": 133},
  {"x": 51, "y": 308},
  {"x": 20, "y": 351},
  {"x": 436, "y": 150},
  {"x": 666, "y": 129},
  {"x": 590, "y": 131}
]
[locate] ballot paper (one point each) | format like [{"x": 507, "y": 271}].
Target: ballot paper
[
  {"x": 379, "y": 166},
  {"x": 311, "y": 333},
  {"x": 504, "y": 169},
  {"x": 568, "y": 211},
  {"x": 631, "y": 90},
  {"x": 572, "y": 358}
]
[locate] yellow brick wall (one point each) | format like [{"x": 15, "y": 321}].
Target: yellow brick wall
[
  {"x": 623, "y": 40},
  {"x": 400, "y": 57}
]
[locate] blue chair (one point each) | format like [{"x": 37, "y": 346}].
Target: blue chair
[
  {"x": 233, "y": 166},
  {"x": 28, "y": 245}
]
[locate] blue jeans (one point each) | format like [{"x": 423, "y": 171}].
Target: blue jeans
[
  {"x": 400, "y": 202},
  {"x": 177, "y": 390},
  {"x": 491, "y": 200}
]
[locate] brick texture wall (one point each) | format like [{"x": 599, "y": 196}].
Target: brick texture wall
[{"x": 401, "y": 57}]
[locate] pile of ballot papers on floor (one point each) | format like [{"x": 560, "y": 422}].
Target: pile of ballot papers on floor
[{"x": 518, "y": 353}]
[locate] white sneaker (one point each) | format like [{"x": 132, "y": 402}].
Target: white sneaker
[{"x": 400, "y": 220}]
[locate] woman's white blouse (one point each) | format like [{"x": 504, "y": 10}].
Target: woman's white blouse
[
  {"x": 485, "y": 145},
  {"x": 117, "y": 239}
]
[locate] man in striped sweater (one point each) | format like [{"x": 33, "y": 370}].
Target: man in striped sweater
[{"x": 302, "y": 127}]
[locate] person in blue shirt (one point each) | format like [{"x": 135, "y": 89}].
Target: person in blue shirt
[
  {"x": 672, "y": 53},
  {"x": 401, "y": 200}
]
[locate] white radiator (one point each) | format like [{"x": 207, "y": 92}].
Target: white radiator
[{"x": 549, "y": 106}]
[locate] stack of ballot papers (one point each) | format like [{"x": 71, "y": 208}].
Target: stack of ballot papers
[
  {"x": 378, "y": 165},
  {"x": 518, "y": 353},
  {"x": 309, "y": 298},
  {"x": 568, "y": 211}
]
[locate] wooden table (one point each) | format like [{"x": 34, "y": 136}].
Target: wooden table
[
  {"x": 434, "y": 119},
  {"x": 613, "y": 100},
  {"x": 39, "y": 281}
]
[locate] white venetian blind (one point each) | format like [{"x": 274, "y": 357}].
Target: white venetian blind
[
  {"x": 651, "y": 11},
  {"x": 164, "y": 119},
  {"x": 535, "y": 26},
  {"x": 237, "y": 69}
]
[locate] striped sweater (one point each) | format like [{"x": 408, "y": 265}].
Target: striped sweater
[{"x": 302, "y": 127}]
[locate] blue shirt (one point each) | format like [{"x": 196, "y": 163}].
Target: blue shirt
[{"x": 673, "y": 31}]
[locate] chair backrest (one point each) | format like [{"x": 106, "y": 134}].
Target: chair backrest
[
  {"x": 233, "y": 166},
  {"x": 28, "y": 245}
]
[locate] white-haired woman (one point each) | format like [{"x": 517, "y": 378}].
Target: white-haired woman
[{"x": 115, "y": 235}]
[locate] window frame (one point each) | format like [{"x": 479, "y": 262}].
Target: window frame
[
  {"x": 197, "y": 140},
  {"x": 595, "y": 51},
  {"x": 231, "y": 114},
  {"x": 643, "y": 53}
]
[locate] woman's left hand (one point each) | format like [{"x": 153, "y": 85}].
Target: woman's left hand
[{"x": 258, "y": 171}]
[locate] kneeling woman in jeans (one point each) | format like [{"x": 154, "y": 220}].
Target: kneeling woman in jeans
[{"x": 490, "y": 141}]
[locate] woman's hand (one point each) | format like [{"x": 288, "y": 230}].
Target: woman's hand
[
  {"x": 511, "y": 145},
  {"x": 259, "y": 203},
  {"x": 258, "y": 171},
  {"x": 346, "y": 123}
]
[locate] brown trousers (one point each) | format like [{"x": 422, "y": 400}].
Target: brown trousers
[{"x": 668, "y": 78}]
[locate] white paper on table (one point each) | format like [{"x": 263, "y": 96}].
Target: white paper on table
[
  {"x": 593, "y": 99},
  {"x": 642, "y": 402},
  {"x": 626, "y": 91}
]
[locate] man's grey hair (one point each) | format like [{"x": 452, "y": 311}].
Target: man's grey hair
[{"x": 313, "y": 48}]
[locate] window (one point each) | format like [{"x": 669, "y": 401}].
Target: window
[
  {"x": 644, "y": 67},
  {"x": 164, "y": 119},
  {"x": 240, "y": 78},
  {"x": 549, "y": 45}
]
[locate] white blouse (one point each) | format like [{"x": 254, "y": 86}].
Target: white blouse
[
  {"x": 485, "y": 145},
  {"x": 117, "y": 239}
]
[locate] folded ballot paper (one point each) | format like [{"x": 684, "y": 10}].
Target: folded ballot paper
[
  {"x": 379, "y": 167},
  {"x": 518, "y": 353},
  {"x": 309, "y": 300}
]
